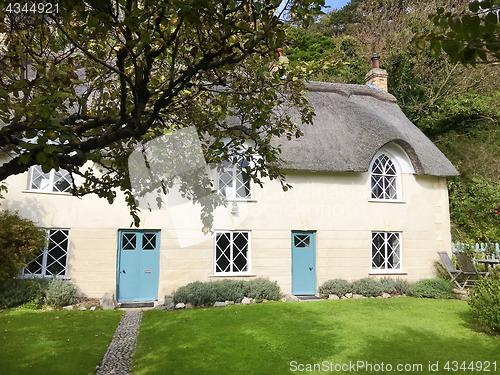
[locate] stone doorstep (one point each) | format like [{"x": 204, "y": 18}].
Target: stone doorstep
[
  {"x": 309, "y": 298},
  {"x": 134, "y": 305}
]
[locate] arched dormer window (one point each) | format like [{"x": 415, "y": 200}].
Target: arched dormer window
[{"x": 384, "y": 178}]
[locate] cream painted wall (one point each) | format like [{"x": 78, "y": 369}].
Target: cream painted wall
[{"x": 335, "y": 205}]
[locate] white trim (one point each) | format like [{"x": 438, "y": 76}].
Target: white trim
[
  {"x": 387, "y": 272},
  {"x": 400, "y": 255},
  {"x": 248, "y": 255},
  {"x": 386, "y": 200},
  {"x": 233, "y": 275},
  {"x": 46, "y": 192},
  {"x": 49, "y": 188},
  {"x": 44, "y": 254}
]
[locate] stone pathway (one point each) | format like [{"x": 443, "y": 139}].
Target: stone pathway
[{"x": 118, "y": 357}]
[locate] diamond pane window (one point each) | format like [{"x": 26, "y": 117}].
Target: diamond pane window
[
  {"x": 53, "y": 181},
  {"x": 384, "y": 179},
  {"x": 386, "y": 250},
  {"x": 234, "y": 182},
  {"x": 53, "y": 261},
  {"x": 232, "y": 252}
]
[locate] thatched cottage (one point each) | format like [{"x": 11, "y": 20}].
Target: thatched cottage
[{"x": 369, "y": 198}]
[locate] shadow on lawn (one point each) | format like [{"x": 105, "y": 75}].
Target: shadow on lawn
[{"x": 265, "y": 339}]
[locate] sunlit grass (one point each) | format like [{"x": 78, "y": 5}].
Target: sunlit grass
[
  {"x": 54, "y": 342},
  {"x": 266, "y": 338}
]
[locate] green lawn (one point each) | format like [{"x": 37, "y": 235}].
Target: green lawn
[
  {"x": 275, "y": 338},
  {"x": 54, "y": 342}
]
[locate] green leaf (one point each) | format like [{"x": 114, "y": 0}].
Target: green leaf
[
  {"x": 474, "y": 6},
  {"x": 43, "y": 111}
]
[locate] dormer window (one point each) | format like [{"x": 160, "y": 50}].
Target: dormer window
[
  {"x": 51, "y": 182},
  {"x": 234, "y": 182},
  {"x": 384, "y": 178}
]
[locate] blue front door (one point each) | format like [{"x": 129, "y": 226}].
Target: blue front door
[
  {"x": 303, "y": 263},
  {"x": 138, "y": 265}
]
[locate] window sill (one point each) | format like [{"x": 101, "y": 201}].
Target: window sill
[
  {"x": 387, "y": 272},
  {"x": 44, "y": 277},
  {"x": 241, "y": 200},
  {"x": 45, "y": 192},
  {"x": 233, "y": 275},
  {"x": 386, "y": 200}
]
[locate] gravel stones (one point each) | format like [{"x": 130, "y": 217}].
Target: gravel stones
[{"x": 118, "y": 357}]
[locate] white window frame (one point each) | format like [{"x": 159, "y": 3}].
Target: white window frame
[
  {"x": 387, "y": 250},
  {"x": 43, "y": 256},
  {"x": 235, "y": 170},
  {"x": 50, "y": 186},
  {"x": 231, "y": 272},
  {"x": 384, "y": 176}
]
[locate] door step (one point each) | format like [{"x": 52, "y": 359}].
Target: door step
[
  {"x": 309, "y": 298},
  {"x": 131, "y": 305}
]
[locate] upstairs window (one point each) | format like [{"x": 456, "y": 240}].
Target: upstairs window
[
  {"x": 53, "y": 261},
  {"x": 384, "y": 179},
  {"x": 234, "y": 182},
  {"x": 53, "y": 181}
]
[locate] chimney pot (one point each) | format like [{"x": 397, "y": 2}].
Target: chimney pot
[{"x": 376, "y": 77}]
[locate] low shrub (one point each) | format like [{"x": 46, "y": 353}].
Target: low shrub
[
  {"x": 433, "y": 288},
  {"x": 388, "y": 285},
  {"x": 230, "y": 290},
  {"x": 60, "y": 292},
  {"x": 207, "y": 293},
  {"x": 403, "y": 287},
  {"x": 368, "y": 287},
  {"x": 338, "y": 287},
  {"x": 196, "y": 293},
  {"x": 485, "y": 301},
  {"x": 264, "y": 289},
  {"x": 16, "y": 292}
]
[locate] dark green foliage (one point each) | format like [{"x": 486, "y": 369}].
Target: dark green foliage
[
  {"x": 368, "y": 287},
  {"x": 264, "y": 289},
  {"x": 60, "y": 292},
  {"x": 485, "y": 301},
  {"x": 20, "y": 239},
  {"x": 433, "y": 288},
  {"x": 19, "y": 291},
  {"x": 338, "y": 287}
]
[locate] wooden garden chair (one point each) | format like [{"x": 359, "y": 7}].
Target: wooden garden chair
[
  {"x": 469, "y": 268},
  {"x": 452, "y": 271}
]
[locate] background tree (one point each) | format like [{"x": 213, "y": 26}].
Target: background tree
[
  {"x": 466, "y": 36},
  {"x": 20, "y": 240},
  {"x": 456, "y": 106},
  {"x": 96, "y": 79}
]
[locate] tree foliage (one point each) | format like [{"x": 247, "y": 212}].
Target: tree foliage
[
  {"x": 20, "y": 240},
  {"x": 466, "y": 36},
  {"x": 98, "y": 79}
]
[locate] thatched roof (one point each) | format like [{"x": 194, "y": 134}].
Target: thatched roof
[{"x": 352, "y": 123}]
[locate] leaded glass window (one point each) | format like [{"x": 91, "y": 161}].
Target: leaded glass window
[
  {"x": 53, "y": 181},
  {"x": 53, "y": 261},
  {"x": 386, "y": 250},
  {"x": 232, "y": 252},
  {"x": 384, "y": 179},
  {"x": 234, "y": 182}
]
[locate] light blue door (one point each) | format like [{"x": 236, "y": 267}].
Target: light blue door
[
  {"x": 138, "y": 265},
  {"x": 303, "y": 263}
]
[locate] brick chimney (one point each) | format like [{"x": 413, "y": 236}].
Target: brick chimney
[{"x": 376, "y": 77}]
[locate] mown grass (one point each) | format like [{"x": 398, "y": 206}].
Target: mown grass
[
  {"x": 54, "y": 342},
  {"x": 266, "y": 338}
]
